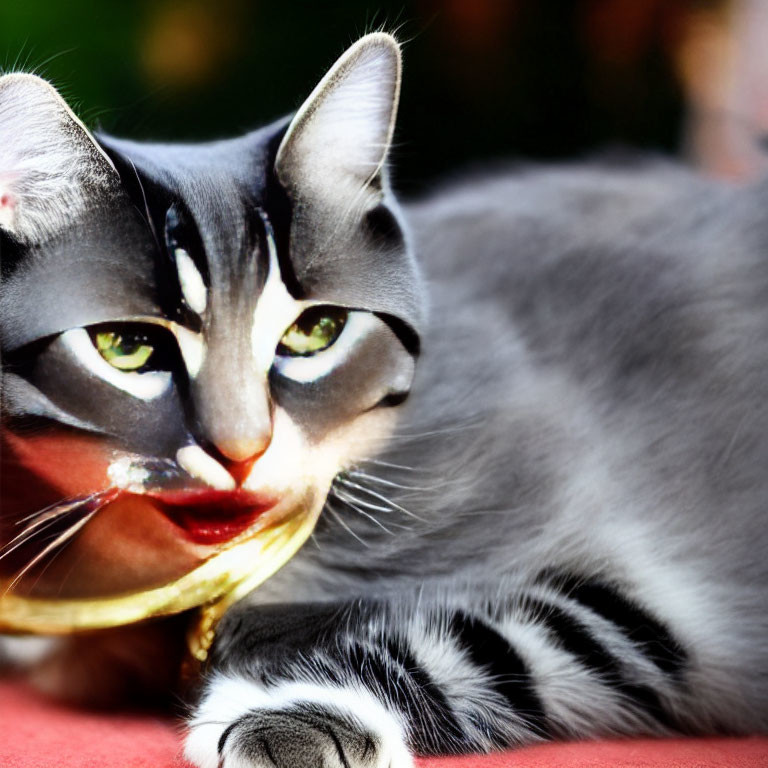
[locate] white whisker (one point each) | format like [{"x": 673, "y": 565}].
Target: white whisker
[
  {"x": 51, "y": 516},
  {"x": 351, "y": 502},
  {"x": 56, "y": 554},
  {"x": 391, "y": 503},
  {"x": 368, "y": 505},
  {"x": 390, "y": 483},
  {"x": 392, "y": 466},
  {"x": 339, "y": 519},
  {"x": 55, "y": 544},
  {"x": 45, "y": 518},
  {"x": 22, "y": 539},
  {"x": 47, "y": 509},
  {"x": 432, "y": 432}
]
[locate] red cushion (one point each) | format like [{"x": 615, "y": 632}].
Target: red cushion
[{"x": 36, "y": 733}]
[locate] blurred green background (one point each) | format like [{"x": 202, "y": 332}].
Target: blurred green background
[{"x": 484, "y": 79}]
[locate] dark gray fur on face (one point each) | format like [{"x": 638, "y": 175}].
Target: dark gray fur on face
[{"x": 572, "y": 499}]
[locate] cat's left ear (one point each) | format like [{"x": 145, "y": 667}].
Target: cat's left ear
[
  {"x": 51, "y": 168},
  {"x": 337, "y": 143}
]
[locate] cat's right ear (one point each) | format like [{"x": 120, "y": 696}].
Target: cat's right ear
[
  {"x": 51, "y": 167},
  {"x": 337, "y": 143}
]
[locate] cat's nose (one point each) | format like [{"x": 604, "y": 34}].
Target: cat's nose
[
  {"x": 240, "y": 454},
  {"x": 241, "y": 449}
]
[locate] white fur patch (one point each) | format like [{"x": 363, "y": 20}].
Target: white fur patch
[
  {"x": 275, "y": 311},
  {"x": 194, "y": 460},
  {"x": 229, "y": 698},
  {"x": 144, "y": 386},
  {"x": 191, "y": 281},
  {"x": 192, "y": 347}
]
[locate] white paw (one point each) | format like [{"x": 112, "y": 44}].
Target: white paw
[{"x": 240, "y": 724}]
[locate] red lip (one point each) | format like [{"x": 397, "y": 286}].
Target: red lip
[{"x": 213, "y": 517}]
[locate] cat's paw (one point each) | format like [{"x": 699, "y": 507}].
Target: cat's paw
[{"x": 240, "y": 724}]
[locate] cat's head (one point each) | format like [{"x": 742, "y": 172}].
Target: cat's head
[{"x": 196, "y": 339}]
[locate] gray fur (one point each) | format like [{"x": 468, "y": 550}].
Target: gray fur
[
  {"x": 590, "y": 400},
  {"x": 588, "y": 409}
]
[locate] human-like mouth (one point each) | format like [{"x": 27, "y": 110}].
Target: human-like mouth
[{"x": 213, "y": 517}]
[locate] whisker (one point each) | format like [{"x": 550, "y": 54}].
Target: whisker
[
  {"x": 347, "y": 498},
  {"x": 353, "y": 501},
  {"x": 45, "y": 519},
  {"x": 47, "y": 509},
  {"x": 392, "y": 466},
  {"x": 22, "y": 539},
  {"x": 50, "y": 562},
  {"x": 344, "y": 525},
  {"x": 393, "y": 504},
  {"x": 57, "y": 542},
  {"x": 390, "y": 483},
  {"x": 53, "y": 515},
  {"x": 368, "y": 505},
  {"x": 441, "y": 431},
  {"x": 350, "y": 502}
]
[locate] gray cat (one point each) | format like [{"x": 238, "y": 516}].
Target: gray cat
[{"x": 529, "y": 412}]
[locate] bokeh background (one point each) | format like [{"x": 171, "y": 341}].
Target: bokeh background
[{"x": 484, "y": 79}]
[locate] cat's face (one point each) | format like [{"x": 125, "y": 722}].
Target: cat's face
[{"x": 196, "y": 339}]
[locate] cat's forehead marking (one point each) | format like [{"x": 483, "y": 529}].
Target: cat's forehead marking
[
  {"x": 193, "y": 287},
  {"x": 275, "y": 310}
]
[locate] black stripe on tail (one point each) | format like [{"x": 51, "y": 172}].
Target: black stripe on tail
[
  {"x": 650, "y": 636},
  {"x": 489, "y": 650},
  {"x": 576, "y": 639}
]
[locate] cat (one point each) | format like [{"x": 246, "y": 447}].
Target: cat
[{"x": 529, "y": 411}]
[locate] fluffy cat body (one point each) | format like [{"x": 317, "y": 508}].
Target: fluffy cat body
[{"x": 552, "y": 527}]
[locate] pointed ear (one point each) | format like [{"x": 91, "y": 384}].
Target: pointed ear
[
  {"x": 338, "y": 141},
  {"x": 51, "y": 168}
]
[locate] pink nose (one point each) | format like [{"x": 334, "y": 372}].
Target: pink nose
[{"x": 241, "y": 454}]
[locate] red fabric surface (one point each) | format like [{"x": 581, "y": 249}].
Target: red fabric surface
[{"x": 36, "y": 733}]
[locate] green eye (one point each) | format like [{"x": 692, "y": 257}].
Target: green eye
[
  {"x": 124, "y": 351},
  {"x": 314, "y": 331}
]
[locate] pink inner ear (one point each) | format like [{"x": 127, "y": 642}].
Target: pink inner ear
[{"x": 7, "y": 204}]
